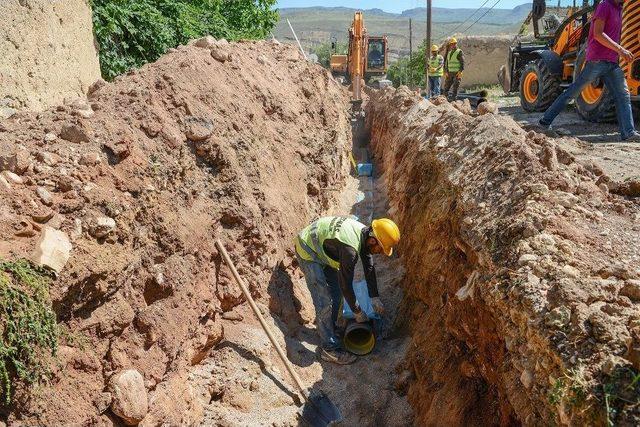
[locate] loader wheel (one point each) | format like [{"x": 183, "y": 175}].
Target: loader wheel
[
  {"x": 538, "y": 87},
  {"x": 595, "y": 102}
]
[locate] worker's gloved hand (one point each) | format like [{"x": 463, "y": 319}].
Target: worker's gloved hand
[
  {"x": 361, "y": 317},
  {"x": 378, "y": 307},
  {"x": 459, "y": 74}
]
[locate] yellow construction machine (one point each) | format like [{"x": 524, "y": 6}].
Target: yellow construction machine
[
  {"x": 541, "y": 69},
  {"x": 366, "y": 57}
]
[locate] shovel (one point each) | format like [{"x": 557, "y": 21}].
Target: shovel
[{"x": 318, "y": 410}]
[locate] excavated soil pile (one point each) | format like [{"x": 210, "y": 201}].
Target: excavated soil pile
[
  {"x": 215, "y": 140},
  {"x": 522, "y": 270}
]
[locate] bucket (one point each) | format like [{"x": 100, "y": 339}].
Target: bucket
[{"x": 359, "y": 338}]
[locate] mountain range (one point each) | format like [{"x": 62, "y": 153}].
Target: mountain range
[{"x": 317, "y": 25}]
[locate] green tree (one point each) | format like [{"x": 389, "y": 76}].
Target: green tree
[
  {"x": 408, "y": 72},
  {"x": 131, "y": 33},
  {"x": 324, "y": 52}
]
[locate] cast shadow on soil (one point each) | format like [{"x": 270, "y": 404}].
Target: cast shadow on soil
[
  {"x": 286, "y": 307},
  {"x": 596, "y": 133},
  {"x": 246, "y": 354}
]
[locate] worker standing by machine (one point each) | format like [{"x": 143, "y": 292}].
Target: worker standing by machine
[
  {"x": 327, "y": 251},
  {"x": 602, "y": 62},
  {"x": 453, "y": 68},
  {"x": 436, "y": 71}
]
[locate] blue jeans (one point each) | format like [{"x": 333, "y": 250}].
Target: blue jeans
[
  {"x": 613, "y": 78},
  {"x": 434, "y": 86},
  {"x": 324, "y": 287}
]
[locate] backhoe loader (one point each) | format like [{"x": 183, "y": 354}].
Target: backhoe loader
[{"x": 541, "y": 69}]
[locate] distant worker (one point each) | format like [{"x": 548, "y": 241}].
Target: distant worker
[
  {"x": 603, "y": 51},
  {"x": 327, "y": 251},
  {"x": 436, "y": 71},
  {"x": 453, "y": 68}
]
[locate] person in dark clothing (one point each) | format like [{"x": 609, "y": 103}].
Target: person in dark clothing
[{"x": 327, "y": 252}]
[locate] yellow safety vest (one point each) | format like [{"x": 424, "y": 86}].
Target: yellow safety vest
[
  {"x": 434, "y": 63},
  {"x": 453, "y": 61},
  {"x": 344, "y": 229}
]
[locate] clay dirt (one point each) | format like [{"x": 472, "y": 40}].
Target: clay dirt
[{"x": 512, "y": 297}]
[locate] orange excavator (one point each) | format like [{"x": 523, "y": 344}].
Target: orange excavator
[{"x": 366, "y": 58}]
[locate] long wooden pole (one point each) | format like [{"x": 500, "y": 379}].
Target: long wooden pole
[
  {"x": 256, "y": 311},
  {"x": 410, "y": 51},
  {"x": 427, "y": 48}
]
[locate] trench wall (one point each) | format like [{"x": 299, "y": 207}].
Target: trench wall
[
  {"x": 505, "y": 289},
  {"x": 48, "y": 53}
]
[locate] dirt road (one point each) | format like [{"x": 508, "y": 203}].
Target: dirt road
[{"x": 600, "y": 141}]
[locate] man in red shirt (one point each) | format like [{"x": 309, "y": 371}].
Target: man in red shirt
[{"x": 603, "y": 51}]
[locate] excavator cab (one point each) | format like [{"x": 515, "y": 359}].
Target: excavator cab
[{"x": 376, "y": 56}]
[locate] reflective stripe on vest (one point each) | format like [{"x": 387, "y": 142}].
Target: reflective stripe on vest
[
  {"x": 344, "y": 229},
  {"x": 453, "y": 61},
  {"x": 434, "y": 63}
]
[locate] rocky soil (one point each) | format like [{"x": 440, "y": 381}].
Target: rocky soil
[
  {"x": 522, "y": 269},
  {"x": 123, "y": 195}
]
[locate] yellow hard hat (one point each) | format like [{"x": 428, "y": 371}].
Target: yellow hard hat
[
  {"x": 434, "y": 48},
  {"x": 453, "y": 40},
  {"x": 386, "y": 233}
]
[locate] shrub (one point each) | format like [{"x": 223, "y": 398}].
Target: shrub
[
  {"x": 28, "y": 324},
  {"x": 131, "y": 33}
]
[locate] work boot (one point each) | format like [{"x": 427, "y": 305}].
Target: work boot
[
  {"x": 635, "y": 137},
  {"x": 337, "y": 356}
]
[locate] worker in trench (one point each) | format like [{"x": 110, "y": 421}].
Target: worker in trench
[
  {"x": 328, "y": 251},
  {"x": 453, "y": 68}
]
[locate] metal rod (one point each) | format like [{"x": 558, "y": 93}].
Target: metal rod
[
  {"x": 256, "y": 311},
  {"x": 296, "y": 37}
]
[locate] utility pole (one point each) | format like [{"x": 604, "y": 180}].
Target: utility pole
[
  {"x": 426, "y": 49},
  {"x": 410, "y": 49}
]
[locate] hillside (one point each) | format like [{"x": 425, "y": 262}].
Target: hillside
[{"x": 316, "y": 25}]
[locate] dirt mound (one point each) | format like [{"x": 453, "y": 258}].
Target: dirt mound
[
  {"x": 522, "y": 272},
  {"x": 230, "y": 141},
  {"x": 48, "y": 53}
]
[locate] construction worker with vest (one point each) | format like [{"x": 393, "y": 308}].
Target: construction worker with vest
[
  {"x": 436, "y": 71},
  {"x": 453, "y": 68},
  {"x": 327, "y": 251}
]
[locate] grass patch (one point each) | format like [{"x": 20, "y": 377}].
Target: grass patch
[
  {"x": 621, "y": 391},
  {"x": 28, "y": 325},
  {"x": 572, "y": 388}
]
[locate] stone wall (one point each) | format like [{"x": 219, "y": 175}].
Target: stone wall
[{"x": 484, "y": 56}]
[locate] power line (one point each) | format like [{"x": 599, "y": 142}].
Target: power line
[
  {"x": 444, "y": 32},
  {"x": 483, "y": 15},
  {"x": 468, "y": 17}
]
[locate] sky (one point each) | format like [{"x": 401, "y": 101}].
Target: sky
[{"x": 397, "y": 6}]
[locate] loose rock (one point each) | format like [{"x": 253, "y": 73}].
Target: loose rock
[
  {"x": 129, "y": 396},
  {"x": 73, "y": 133},
  {"x": 487, "y": 108},
  {"x": 53, "y": 249},
  {"x": 44, "y": 196},
  {"x": 102, "y": 226}
]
